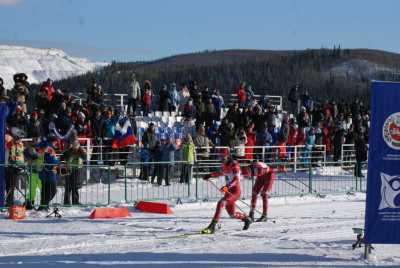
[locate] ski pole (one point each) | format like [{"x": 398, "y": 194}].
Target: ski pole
[{"x": 213, "y": 184}]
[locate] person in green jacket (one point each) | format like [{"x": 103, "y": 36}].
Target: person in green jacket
[
  {"x": 188, "y": 155},
  {"x": 73, "y": 158},
  {"x": 34, "y": 157}
]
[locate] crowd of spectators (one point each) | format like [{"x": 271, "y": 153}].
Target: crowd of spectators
[{"x": 207, "y": 122}]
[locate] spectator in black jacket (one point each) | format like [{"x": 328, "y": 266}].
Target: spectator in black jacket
[
  {"x": 164, "y": 97},
  {"x": 294, "y": 99},
  {"x": 361, "y": 147},
  {"x": 97, "y": 124},
  {"x": 34, "y": 126},
  {"x": 189, "y": 110}
]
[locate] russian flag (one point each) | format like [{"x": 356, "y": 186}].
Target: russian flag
[{"x": 123, "y": 136}]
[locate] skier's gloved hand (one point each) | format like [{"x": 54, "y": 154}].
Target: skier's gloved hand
[
  {"x": 224, "y": 189},
  {"x": 207, "y": 177}
]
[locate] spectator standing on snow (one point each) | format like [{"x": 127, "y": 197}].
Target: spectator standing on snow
[
  {"x": 167, "y": 155},
  {"x": 149, "y": 141},
  {"x": 73, "y": 158},
  {"x": 49, "y": 173},
  {"x": 188, "y": 155},
  {"x": 361, "y": 151},
  {"x": 17, "y": 162}
]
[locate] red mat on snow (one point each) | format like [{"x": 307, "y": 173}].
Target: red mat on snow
[
  {"x": 154, "y": 207},
  {"x": 106, "y": 213}
]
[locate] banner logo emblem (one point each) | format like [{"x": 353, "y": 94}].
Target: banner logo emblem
[
  {"x": 390, "y": 191},
  {"x": 391, "y": 131}
]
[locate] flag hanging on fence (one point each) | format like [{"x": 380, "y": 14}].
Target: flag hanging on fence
[
  {"x": 123, "y": 136},
  {"x": 382, "y": 216}
]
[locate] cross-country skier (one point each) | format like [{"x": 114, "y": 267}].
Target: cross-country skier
[
  {"x": 265, "y": 177},
  {"x": 231, "y": 170}
]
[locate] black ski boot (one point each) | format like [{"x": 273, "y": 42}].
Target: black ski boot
[
  {"x": 247, "y": 222},
  {"x": 262, "y": 218},
  {"x": 210, "y": 229},
  {"x": 251, "y": 215}
]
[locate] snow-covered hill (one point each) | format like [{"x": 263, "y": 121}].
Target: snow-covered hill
[{"x": 40, "y": 64}]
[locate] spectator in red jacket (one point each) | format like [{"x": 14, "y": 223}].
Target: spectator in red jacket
[
  {"x": 251, "y": 142},
  {"x": 48, "y": 89},
  {"x": 241, "y": 94},
  {"x": 147, "y": 98}
]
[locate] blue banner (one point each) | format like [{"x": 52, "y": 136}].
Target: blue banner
[
  {"x": 382, "y": 214},
  {"x": 3, "y": 115}
]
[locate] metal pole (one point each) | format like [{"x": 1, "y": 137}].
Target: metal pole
[
  {"x": 125, "y": 186},
  {"x": 197, "y": 181},
  {"x": 87, "y": 159},
  {"x": 295, "y": 159},
  {"x": 101, "y": 151},
  {"x": 190, "y": 178},
  {"x": 309, "y": 179},
  {"x": 109, "y": 185}
]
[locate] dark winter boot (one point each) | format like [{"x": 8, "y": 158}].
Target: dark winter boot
[
  {"x": 251, "y": 215},
  {"x": 210, "y": 229},
  {"x": 247, "y": 222},
  {"x": 262, "y": 218},
  {"x": 29, "y": 205}
]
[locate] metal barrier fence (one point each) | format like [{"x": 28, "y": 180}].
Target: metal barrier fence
[
  {"x": 147, "y": 181},
  {"x": 296, "y": 158}
]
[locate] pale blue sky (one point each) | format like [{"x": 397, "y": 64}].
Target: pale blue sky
[{"x": 150, "y": 29}]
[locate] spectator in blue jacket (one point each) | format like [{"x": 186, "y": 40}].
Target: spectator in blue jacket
[
  {"x": 108, "y": 132},
  {"x": 264, "y": 138},
  {"x": 167, "y": 154},
  {"x": 174, "y": 98},
  {"x": 309, "y": 145},
  {"x": 218, "y": 102},
  {"x": 48, "y": 175},
  {"x": 145, "y": 158}
]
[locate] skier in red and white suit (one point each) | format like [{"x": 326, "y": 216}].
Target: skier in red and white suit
[
  {"x": 231, "y": 170},
  {"x": 265, "y": 177}
]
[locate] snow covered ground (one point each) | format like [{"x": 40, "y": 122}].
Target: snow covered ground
[{"x": 308, "y": 232}]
